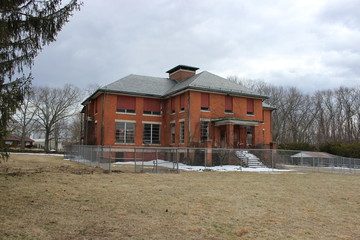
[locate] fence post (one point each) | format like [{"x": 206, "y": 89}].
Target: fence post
[
  {"x": 110, "y": 158},
  {"x": 156, "y": 161},
  {"x": 135, "y": 157},
  {"x": 177, "y": 161},
  {"x": 205, "y": 153},
  {"x": 135, "y": 160}
]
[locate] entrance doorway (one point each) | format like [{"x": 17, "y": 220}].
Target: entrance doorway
[{"x": 249, "y": 136}]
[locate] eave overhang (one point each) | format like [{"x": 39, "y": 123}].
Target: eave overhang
[
  {"x": 236, "y": 121},
  {"x": 232, "y": 93}
]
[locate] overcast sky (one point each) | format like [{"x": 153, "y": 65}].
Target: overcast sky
[{"x": 310, "y": 44}]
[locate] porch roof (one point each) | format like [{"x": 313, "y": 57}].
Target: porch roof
[{"x": 236, "y": 121}]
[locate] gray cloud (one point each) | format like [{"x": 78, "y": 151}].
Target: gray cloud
[{"x": 298, "y": 43}]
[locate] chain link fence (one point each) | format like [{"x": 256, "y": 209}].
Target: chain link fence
[{"x": 173, "y": 160}]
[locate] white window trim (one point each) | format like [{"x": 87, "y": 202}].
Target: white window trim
[
  {"x": 152, "y": 115},
  {"x": 122, "y": 113},
  {"x": 151, "y": 122},
  {"x": 204, "y": 120},
  {"x": 121, "y": 120}
]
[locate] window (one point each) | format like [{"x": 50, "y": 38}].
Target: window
[
  {"x": 204, "y": 135},
  {"x": 172, "y": 132},
  {"x": 182, "y": 102},
  {"x": 152, "y": 106},
  {"x": 228, "y": 104},
  {"x": 96, "y": 105},
  {"x": 151, "y": 133},
  {"x": 172, "y": 102},
  {"x": 124, "y": 132},
  {"x": 250, "y": 106},
  {"x": 182, "y": 132},
  {"x": 205, "y": 102},
  {"x": 126, "y": 104}
]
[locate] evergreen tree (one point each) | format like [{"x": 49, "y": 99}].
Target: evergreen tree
[{"x": 25, "y": 27}]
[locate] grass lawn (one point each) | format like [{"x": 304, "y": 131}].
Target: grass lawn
[{"x": 45, "y": 197}]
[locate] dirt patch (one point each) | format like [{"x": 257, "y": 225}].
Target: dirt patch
[
  {"x": 68, "y": 200},
  {"x": 18, "y": 165}
]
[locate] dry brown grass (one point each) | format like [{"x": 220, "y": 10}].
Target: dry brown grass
[{"x": 48, "y": 198}]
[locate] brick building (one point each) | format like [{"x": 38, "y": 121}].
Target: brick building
[{"x": 184, "y": 110}]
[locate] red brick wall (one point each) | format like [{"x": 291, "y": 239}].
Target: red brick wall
[
  {"x": 181, "y": 75},
  {"x": 190, "y": 118}
]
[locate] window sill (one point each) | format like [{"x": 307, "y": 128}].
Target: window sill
[
  {"x": 182, "y": 111},
  {"x": 204, "y": 110},
  {"x": 152, "y": 115},
  {"x": 130, "y": 144},
  {"x": 230, "y": 113},
  {"x": 122, "y": 113}
]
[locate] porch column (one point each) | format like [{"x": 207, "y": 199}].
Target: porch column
[
  {"x": 243, "y": 135},
  {"x": 230, "y": 135},
  {"x": 208, "y": 156}
]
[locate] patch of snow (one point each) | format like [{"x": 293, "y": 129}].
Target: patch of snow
[{"x": 184, "y": 167}]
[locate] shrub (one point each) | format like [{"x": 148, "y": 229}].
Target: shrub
[
  {"x": 297, "y": 146},
  {"x": 342, "y": 149}
]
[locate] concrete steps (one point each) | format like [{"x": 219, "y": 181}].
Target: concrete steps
[{"x": 249, "y": 159}]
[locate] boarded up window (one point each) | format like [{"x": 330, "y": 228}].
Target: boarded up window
[
  {"x": 205, "y": 102},
  {"x": 172, "y": 131},
  {"x": 126, "y": 104},
  {"x": 172, "y": 102},
  {"x": 96, "y": 105},
  {"x": 228, "y": 104},
  {"x": 250, "y": 106},
  {"x": 182, "y": 102},
  {"x": 152, "y": 106}
]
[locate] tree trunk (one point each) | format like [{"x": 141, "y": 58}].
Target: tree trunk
[{"x": 47, "y": 140}]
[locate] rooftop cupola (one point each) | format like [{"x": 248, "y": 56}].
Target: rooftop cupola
[{"x": 182, "y": 72}]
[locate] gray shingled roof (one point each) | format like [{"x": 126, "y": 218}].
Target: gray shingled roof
[
  {"x": 211, "y": 82},
  {"x": 136, "y": 84},
  {"x": 265, "y": 105},
  {"x": 163, "y": 87}
]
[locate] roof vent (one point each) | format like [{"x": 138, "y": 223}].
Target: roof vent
[{"x": 182, "y": 72}]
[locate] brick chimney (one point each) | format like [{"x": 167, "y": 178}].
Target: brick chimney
[{"x": 182, "y": 72}]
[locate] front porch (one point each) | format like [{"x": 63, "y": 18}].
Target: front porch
[{"x": 237, "y": 134}]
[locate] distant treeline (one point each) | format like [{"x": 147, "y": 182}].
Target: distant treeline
[
  {"x": 327, "y": 120},
  {"x": 351, "y": 150}
]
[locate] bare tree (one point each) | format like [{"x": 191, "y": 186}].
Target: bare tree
[
  {"x": 55, "y": 105},
  {"x": 26, "y": 26},
  {"x": 24, "y": 118},
  {"x": 74, "y": 129}
]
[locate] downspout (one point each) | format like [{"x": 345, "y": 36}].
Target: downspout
[
  {"x": 102, "y": 120},
  {"x": 189, "y": 122},
  {"x": 86, "y": 124},
  {"x": 82, "y": 134}
]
